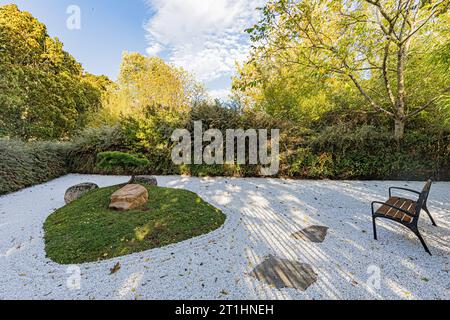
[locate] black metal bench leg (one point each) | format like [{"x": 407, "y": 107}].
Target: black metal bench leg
[
  {"x": 429, "y": 214},
  {"x": 374, "y": 228},
  {"x": 423, "y": 242}
]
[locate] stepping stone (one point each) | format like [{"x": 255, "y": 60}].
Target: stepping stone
[
  {"x": 316, "y": 234},
  {"x": 281, "y": 273}
]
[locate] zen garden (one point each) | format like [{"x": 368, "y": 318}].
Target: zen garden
[{"x": 322, "y": 174}]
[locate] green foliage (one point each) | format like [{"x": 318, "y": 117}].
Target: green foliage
[
  {"x": 342, "y": 147},
  {"x": 82, "y": 154},
  {"x": 214, "y": 115},
  {"x": 87, "y": 231},
  {"x": 294, "y": 83},
  {"x": 394, "y": 56},
  {"x": 149, "y": 85},
  {"x": 337, "y": 151},
  {"x": 44, "y": 92},
  {"x": 367, "y": 152},
  {"x": 23, "y": 165},
  {"x": 125, "y": 161}
]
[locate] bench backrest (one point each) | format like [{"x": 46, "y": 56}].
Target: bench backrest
[{"x": 422, "y": 201}]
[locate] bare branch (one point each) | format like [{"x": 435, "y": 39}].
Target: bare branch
[
  {"x": 428, "y": 104},
  {"x": 368, "y": 98},
  {"x": 422, "y": 23},
  {"x": 382, "y": 11}
]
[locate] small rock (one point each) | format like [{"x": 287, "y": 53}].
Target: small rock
[
  {"x": 148, "y": 180},
  {"x": 77, "y": 191}
]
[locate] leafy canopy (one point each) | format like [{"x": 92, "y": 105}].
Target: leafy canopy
[
  {"x": 149, "y": 85},
  {"x": 378, "y": 46},
  {"x": 44, "y": 92}
]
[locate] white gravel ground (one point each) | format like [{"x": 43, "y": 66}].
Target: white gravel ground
[{"x": 261, "y": 216}]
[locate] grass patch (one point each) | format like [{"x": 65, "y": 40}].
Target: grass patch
[{"x": 87, "y": 231}]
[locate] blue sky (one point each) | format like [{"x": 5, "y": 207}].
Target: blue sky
[{"x": 203, "y": 36}]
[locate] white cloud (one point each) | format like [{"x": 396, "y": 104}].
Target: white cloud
[
  {"x": 221, "y": 94},
  {"x": 154, "y": 49},
  {"x": 205, "y": 37}
]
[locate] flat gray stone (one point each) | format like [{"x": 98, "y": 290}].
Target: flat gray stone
[
  {"x": 316, "y": 234},
  {"x": 77, "y": 191},
  {"x": 148, "y": 180},
  {"x": 281, "y": 273}
]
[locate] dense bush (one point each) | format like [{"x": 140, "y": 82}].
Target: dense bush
[
  {"x": 126, "y": 161},
  {"x": 23, "y": 165},
  {"x": 367, "y": 152},
  {"x": 339, "y": 151},
  {"x": 82, "y": 154}
]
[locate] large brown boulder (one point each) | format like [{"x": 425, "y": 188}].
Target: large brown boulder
[
  {"x": 76, "y": 192},
  {"x": 129, "y": 197}
]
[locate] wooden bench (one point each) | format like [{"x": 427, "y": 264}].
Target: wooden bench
[{"x": 404, "y": 211}]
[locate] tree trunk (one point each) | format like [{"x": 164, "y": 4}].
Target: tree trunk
[{"x": 399, "y": 130}]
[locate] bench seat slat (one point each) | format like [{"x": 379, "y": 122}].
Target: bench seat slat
[{"x": 404, "y": 204}]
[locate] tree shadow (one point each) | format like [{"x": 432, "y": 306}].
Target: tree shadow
[{"x": 272, "y": 210}]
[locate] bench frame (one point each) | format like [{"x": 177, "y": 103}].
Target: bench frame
[{"x": 421, "y": 204}]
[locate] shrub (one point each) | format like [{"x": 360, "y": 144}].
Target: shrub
[
  {"x": 128, "y": 163},
  {"x": 338, "y": 151},
  {"x": 367, "y": 152},
  {"x": 26, "y": 164},
  {"x": 82, "y": 154},
  {"x": 150, "y": 136}
]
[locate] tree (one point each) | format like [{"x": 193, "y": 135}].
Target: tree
[
  {"x": 287, "y": 92},
  {"x": 150, "y": 99},
  {"x": 358, "y": 40},
  {"x": 148, "y": 84},
  {"x": 44, "y": 91},
  {"x": 125, "y": 161}
]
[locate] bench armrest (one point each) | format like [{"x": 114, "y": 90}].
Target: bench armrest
[
  {"x": 404, "y": 189},
  {"x": 393, "y": 207}
]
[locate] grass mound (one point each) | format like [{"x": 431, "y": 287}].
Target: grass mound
[{"x": 86, "y": 230}]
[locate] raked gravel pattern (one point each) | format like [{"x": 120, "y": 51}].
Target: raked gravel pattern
[{"x": 262, "y": 215}]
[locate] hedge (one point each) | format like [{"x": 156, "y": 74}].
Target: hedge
[
  {"x": 27, "y": 164},
  {"x": 334, "y": 152}
]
